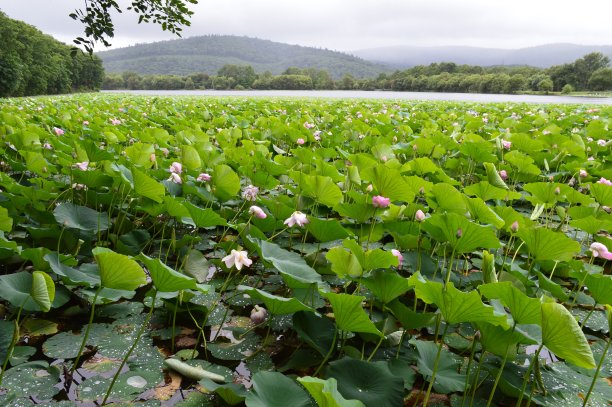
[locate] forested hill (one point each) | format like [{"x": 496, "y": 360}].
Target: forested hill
[{"x": 209, "y": 53}]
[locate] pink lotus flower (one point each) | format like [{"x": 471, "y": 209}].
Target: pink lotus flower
[
  {"x": 115, "y": 122},
  {"x": 380, "y": 201},
  {"x": 369, "y": 188},
  {"x": 250, "y": 193},
  {"x": 152, "y": 157},
  {"x": 459, "y": 233},
  {"x": 317, "y": 135},
  {"x": 85, "y": 123},
  {"x": 419, "y": 216},
  {"x": 583, "y": 174},
  {"x": 47, "y": 146},
  {"x": 82, "y": 166},
  {"x": 174, "y": 177},
  {"x": 506, "y": 144},
  {"x": 308, "y": 125},
  {"x": 503, "y": 174},
  {"x": 204, "y": 177},
  {"x": 604, "y": 181},
  {"x": 257, "y": 212},
  {"x": 296, "y": 218},
  {"x": 165, "y": 151},
  {"x": 300, "y": 141},
  {"x": 399, "y": 256},
  {"x": 237, "y": 258},
  {"x": 514, "y": 227},
  {"x": 58, "y": 131},
  {"x": 601, "y": 142},
  {"x": 600, "y": 250},
  {"x": 176, "y": 168}
]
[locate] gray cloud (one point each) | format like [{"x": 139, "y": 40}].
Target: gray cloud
[{"x": 350, "y": 25}]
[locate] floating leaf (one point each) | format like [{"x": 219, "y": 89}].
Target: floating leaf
[
  {"x": 80, "y": 217},
  {"x": 273, "y": 389}
]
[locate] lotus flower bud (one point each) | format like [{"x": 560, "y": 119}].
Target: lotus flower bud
[{"x": 258, "y": 315}]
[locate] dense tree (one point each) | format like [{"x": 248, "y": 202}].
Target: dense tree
[
  {"x": 32, "y": 63},
  {"x": 587, "y": 65},
  {"x": 243, "y": 75},
  {"x": 601, "y": 79},
  {"x": 96, "y": 17}
]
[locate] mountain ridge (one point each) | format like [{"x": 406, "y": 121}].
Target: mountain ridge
[
  {"x": 209, "y": 53},
  {"x": 541, "y": 56}
]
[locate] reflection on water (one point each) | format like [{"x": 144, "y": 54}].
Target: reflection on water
[{"x": 360, "y": 94}]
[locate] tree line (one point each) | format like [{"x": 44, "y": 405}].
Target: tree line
[
  {"x": 33, "y": 63},
  {"x": 589, "y": 73}
]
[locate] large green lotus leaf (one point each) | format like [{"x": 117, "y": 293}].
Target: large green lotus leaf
[
  {"x": 326, "y": 230},
  {"x": 231, "y": 393},
  {"x": 371, "y": 259},
  {"x": 175, "y": 208},
  {"x": 549, "y": 285},
  {"x": 203, "y": 218},
  {"x": 408, "y": 318},
  {"x": 274, "y": 304},
  {"x": 326, "y": 394},
  {"x": 6, "y": 222},
  {"x": 523, "y": 163},
  {"x": 456, "y": 306},
  {"x": 15, "y": 288},
  {"x": 372, "y": 383},
  {"x": 273, "y": 389},
  {"x": 592, "y": 225},
  {"x": 320, "y": 188},
  {"x": 226, "y": 183},
  {"x": 493, "y": 176},
  {"x": 34, "y": 379},
  {"x": 386, "y": 285},
  {"x": 190, "y": 157},
  {"x": 361, "y": 212},
  {"x": 196, "y": 265},
  {"x": 524, "y": 309},
  {"x": 349, "y": 313},
  {"x": 486, "y": 191},
  {"x": 444, "y": 228},
  {"x": 291, "y": 265},
  {"x": 498, "y": 340},
  {"x": 118, "y": 271},
  {"x": 73, "y": 216},
  {"x": 70, "y": 274},
  {"x": 546, "y": 244},
  {"x": 315, "y": 330},
  {"x": 389, "y": 183},
  {"x": 445, "y": 198},
  {"x": 483, "y": 213},
  {"x": 7, "y": 328},
  {"x": 139, "y": 153},
  {"x": 128, "y": 385},
  {"x": 543, "y": 193},
  {"x": 42, "y": 290},
  {"x": 147, "y": 186},
  {"x": 37, "y": 163},
  {"x": 166, "y": 279},
  {"x": 562, "y": 335},
  {"x": 447, "y": 379},
  {"x": 239, "y": 350},
  {"x": 602, "y": 193},
  {"x": 600, "y": 287}
]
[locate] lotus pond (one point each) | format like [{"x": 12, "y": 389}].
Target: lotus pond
[{"x": 268, "y": 252}]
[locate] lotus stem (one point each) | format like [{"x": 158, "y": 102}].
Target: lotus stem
[
  {"x": 499, "y": 373},
  {"x": 86, "y": 336},
  {"x": 467, "y": 375},
  {"x": 14, "y": 340},
  {"x": 437, "y": 360},
  {"x": 140, "y": 332},
  {"x": 595, "y": 377},
  {"x": 329, "y": 353},
  {"x": 528, "y": 373}
]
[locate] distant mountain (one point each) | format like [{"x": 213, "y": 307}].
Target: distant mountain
[
  {"x": 209, "y": 53},
  {"x": 541, "y": 56}
]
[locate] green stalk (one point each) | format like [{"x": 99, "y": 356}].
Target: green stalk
[
  {"x": 528, "y": 373},
  {"x": 476, "y": 385},
  {"x": 91, "y": 315},
  {"x": 14, "y": 340},
  {"x": 140, "y": 332},
  {"x": 174, "y": 321},
  {"x": 435, "y": 367},
  {"x": 599, "y": 365},
  {"x": 450, "y": 270},
  {"x": 501, "y": 370},
  {"x": 467, "y": 375},
  {"x": 329, "y": 353},
  {"x": 382, "y": 338}
]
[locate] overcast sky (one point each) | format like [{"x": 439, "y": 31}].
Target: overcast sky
[{"x": 347, "y": 25}]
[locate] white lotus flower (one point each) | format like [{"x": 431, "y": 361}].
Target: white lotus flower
[{"x": 237, "y": 258}]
